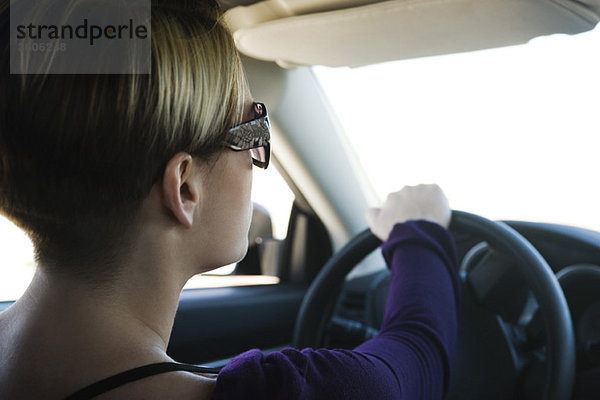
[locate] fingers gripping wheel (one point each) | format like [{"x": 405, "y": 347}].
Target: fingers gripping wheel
[{"x": 318, "y": 303}]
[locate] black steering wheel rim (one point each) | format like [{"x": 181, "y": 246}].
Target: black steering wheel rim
[{"x": 318, "y": 302}]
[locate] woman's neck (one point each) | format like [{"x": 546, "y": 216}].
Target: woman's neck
[
  {"x": 138, "y": 306},
  {"x": 85, "y": 332},
  {"x": 68, "y": 330}
]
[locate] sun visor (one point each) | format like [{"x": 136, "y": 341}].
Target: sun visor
[{"x": 401, "y": 29}]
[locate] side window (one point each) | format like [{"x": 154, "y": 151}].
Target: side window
[
  {"x": 16, "y": 261},
  {"x": 273, "y": 201}
]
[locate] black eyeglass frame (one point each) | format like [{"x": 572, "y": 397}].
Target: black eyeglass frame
[{"x": 253, "y": 134}]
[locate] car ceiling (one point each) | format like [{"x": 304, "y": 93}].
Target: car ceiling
[{"x": 361, "y": 32}]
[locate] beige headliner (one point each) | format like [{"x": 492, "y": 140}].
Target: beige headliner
[{"x": 361, "y": 32}]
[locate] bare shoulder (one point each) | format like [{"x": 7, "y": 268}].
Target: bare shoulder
[
  {"x": 20, "y": 360},
  {"x": 172, "y": 385}
]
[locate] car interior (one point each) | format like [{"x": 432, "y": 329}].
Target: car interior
[{"x": 529, "y": 323}]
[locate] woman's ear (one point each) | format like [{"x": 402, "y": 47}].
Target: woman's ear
[{"x": 181, "y": 188}]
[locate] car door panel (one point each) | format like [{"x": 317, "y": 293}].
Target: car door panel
[{"x": 213, "y": 324}]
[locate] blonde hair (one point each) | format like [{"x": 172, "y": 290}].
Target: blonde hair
[{"x": 78, "y": 153}]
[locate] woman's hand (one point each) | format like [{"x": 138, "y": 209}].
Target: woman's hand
[{"x": 426, "y": 202}]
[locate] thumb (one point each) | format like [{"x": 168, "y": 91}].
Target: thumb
[{"x": 371, "y": 215}]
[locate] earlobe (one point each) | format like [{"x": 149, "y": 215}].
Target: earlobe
[{"x": 181, "y": 192}]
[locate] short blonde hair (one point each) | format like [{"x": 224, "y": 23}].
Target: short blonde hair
[{"x": 78, "y": 153}]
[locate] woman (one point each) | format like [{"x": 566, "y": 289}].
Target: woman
[{"x": 128, "y": 186}]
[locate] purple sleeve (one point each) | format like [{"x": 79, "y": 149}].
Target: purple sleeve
[{"x": 409, "y": 359}]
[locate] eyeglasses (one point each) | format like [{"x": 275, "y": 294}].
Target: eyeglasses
[{"x": 254, "y": 135}]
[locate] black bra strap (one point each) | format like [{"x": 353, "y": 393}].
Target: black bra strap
[{"x": 135, "y": 374}]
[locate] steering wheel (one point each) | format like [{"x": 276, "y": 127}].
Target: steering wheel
[{"x": 318, "y": 304}]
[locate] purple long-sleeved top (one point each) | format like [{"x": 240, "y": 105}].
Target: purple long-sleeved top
[{"x": 409, "y": 359}]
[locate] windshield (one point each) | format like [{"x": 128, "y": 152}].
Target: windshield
[{"x": 509, "y": 133}]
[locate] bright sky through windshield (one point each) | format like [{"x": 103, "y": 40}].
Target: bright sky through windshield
[{"x": 510, "y": 133}]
